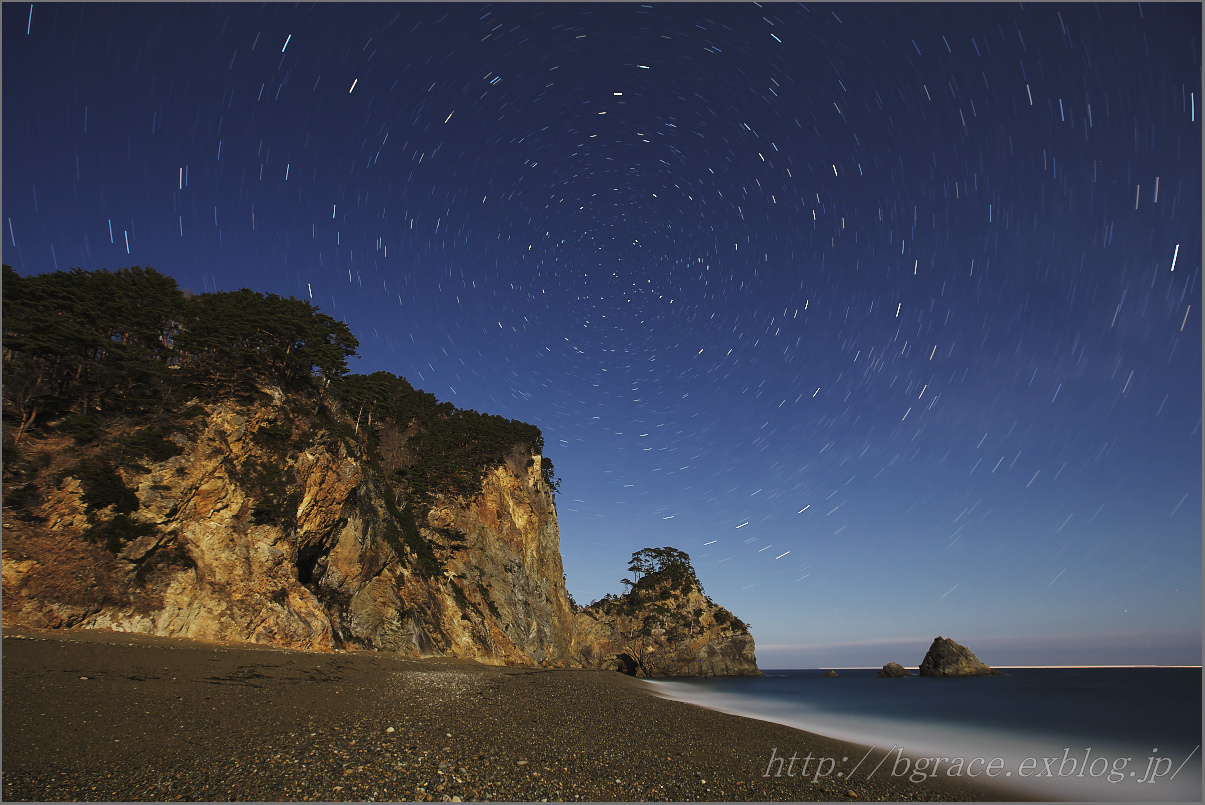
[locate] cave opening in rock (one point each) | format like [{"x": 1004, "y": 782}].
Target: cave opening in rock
[
  {"x": 626, "y": 664},
  {"x": 307, "y": 562}
]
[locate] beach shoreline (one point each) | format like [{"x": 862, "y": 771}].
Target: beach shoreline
[{"x": 113, "y": 716}]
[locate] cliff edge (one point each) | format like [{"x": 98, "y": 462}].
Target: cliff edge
[
  {"x": 663, "y": 625},
  {"x": 269, "y": 526},
  {"x": 204, "y": 466}
]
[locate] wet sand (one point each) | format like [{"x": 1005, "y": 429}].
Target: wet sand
[{"x": 102, "y": 716}]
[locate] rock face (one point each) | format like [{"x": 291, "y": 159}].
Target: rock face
[
  {"x": 657, "y": 632},
  {"x": 272, "y": 526},
  {"x": 213, "y": 564},
  {"x": 947, "y": 658},
  {"x": 893, "y": 670}
]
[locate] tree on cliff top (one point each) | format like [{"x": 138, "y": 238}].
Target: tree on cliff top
[
  {"x": 130, "y": 342},
  {"x": 233, "y": 337},
  {"x": 89, "y": 353},
  {"x": 78, "y": 339},
  {"x": 667, "y": 568},
  {"x": 89, "y": 340}
]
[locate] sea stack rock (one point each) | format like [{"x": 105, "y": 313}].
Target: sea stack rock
[
  {"x": 893, "y": 670},
  {"x": 664, "y": 625},
  {"x": 947, "y": 658},
  {"x": 831, "y": 673},
  {"x": 334, "y": 512}
]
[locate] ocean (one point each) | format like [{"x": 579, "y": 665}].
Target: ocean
[{"x": 1121, "y": 734}]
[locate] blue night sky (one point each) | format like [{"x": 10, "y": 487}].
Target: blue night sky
[{"x": 888, "y": 315}]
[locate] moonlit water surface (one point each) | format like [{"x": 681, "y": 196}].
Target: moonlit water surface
[{"x": 1125, "y": 721}]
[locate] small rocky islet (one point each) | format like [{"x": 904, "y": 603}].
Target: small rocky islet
[
  {"x": 95, "y": 716},
  {"x": 244, "y": 574},
  {"x": 944, "y": 658}
]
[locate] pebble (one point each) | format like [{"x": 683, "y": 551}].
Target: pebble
[{"x": 269, "y": 730}]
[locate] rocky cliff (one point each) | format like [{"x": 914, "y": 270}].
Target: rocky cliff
[
  {"x": 205, "y": 466},
  {"x": 267, "y": 527},
  {"x": 265, "y": 522},
  {"x": 663, "y": 626}
]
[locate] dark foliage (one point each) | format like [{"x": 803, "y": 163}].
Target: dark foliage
[
  {"x": 453, "y": 448},
  {"x": 153, "y": 443},
  {"x": 554, "y": 483},
  {"x": 449, "y": 452},
  {"x": 274, "y": 437},
  {"x": 74, "y": 340},
  {"x": 659, "y": 577},
  {"x": 166, "y": 559},
  {"x": 118, "y": 532},
  {"x": 270, "y": 484},
  {"x": 103, "y": 487},
  {"x": 661, "y": 572},
  {"x": 22, "y": 497},
  {"x": 10, "y": 454},
  {"x": 489, "y": 602},
  {"x": 89, "y": 345},
  {"x": 401, "y": 532},
  {"x": 84, "y": 428},
  {"x": 21, "y": 489},
  {"x": 129, "y": 340},
  {"x": 464, "y": 603},
  {"x": 230, "y": 340}
]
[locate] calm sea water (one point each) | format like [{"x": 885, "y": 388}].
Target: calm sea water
[{"x": 1058, "y": 733}]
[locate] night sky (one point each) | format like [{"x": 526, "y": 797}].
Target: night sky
[{"x": 888, "y": 315}]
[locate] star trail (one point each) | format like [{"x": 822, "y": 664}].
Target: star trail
[{"x": 888, "y": 315}]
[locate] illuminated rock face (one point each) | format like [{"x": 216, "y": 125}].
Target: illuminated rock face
[
  {"x": 664, "y": 632},
  {"x": 321, "y": 573},
  {"x": 947, "y": 658},
  {"x": 270, "y": 527}
]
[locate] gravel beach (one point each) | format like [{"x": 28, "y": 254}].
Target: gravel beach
[{"x": 102, "y": 716}]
